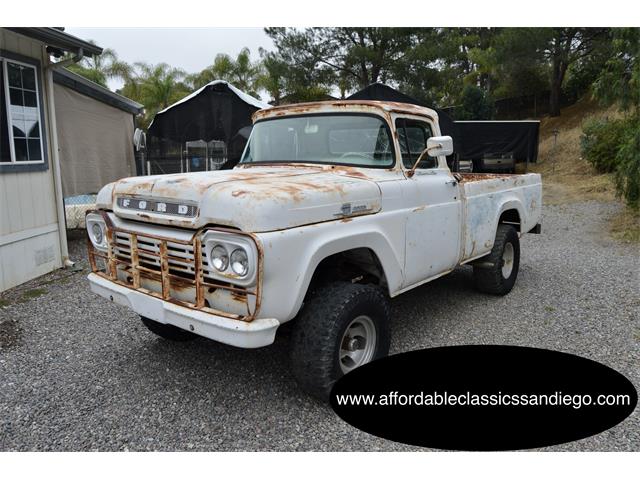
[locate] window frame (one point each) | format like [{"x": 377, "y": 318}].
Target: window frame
[
  {"x": 421, "y": 122},
  {"x": 14, "y": 165},
  {"x": 384, "y": 121}
]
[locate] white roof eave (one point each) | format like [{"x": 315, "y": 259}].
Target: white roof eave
[{"x": 242, "y": 95}]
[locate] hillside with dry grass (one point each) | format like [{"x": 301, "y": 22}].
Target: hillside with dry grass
[{"x": 567, "y": 177}]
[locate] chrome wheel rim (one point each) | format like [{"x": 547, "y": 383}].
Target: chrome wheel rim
[
  {"x": 358, "y": 344},
  {"x": 508, "y": 255}
]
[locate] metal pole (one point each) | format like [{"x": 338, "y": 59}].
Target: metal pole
[
  {"x": 55, "y": 163},
  {"x": 553, "y": 151}
]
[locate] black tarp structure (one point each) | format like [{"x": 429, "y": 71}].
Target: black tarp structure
[
  {"x": 380, "y": 91},
  {"x": 471, "y": 139},
  {"x": 480, "y": 138},
  {"x": 217, "y": 111}
]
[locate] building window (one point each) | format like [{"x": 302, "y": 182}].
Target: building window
[{"x": 21, "y": 116}]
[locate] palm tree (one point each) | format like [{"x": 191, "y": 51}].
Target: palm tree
[
  {"x": 246, "y": 72},
  {"x": 272, "y": 79},
  {"x": 241, "y": 72},
  {"x": 100, "y": 68},
  {"x": 222, "y": 69},
  {"x": 155, "y": 86},
  {"x": 162, "y": 86}
]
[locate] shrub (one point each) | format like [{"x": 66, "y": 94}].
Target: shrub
[
  {"x": 613, "y": 146},
  {"x": 600, "y": 142},
  {"x": 627, "y": 174}
]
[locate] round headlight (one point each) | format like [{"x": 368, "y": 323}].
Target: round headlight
[
  {"x": 98, "y": 234},
  {"x": 240, "y": 262},
  {"x": 219, "y": 258}
]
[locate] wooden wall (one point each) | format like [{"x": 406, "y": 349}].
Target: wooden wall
[{"x": 29, "y": 242}]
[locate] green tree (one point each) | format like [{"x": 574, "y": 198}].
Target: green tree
[
  {"x": 273, "y": 76},
  {"x": 363, "y": 55},
  {"x": 291, "y": 78},
  {"x": 427, "y": 72},
  {"x": 476, "y": 104},
  {"x": 619, "y": 82},
  {"x": 241, "y": 72},
  {"x": 155, "y": 86},
  {"x": 520, "y": 52},
  {"x": 563, "y": 47}
]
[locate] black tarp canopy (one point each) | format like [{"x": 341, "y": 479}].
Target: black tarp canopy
[
  {"x": 471, "y": 139},
  {"x": 217, "y": 111},
  {"x": 491, "y": 137},
  {"x": 380, "y": 91}
]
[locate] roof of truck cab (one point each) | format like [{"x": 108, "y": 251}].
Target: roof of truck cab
[{"x": 337, "y": 106}]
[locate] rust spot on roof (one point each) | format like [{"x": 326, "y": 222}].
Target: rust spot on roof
[{"x": 328, "y": 106}]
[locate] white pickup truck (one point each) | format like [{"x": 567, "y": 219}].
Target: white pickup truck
[{"x": 334, "y": 208}]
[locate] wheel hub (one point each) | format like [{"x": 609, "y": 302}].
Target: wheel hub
[
  {"x": 358, "y": 343},
  {"x": 508, "y": 256}
]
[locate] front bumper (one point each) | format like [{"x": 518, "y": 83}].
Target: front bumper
[{"x": 254, "y": 334}]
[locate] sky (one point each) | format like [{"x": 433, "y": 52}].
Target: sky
[{"x": 191, "y": 49}]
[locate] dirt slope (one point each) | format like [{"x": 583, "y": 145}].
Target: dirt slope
[{"x": 567, "y": 177}]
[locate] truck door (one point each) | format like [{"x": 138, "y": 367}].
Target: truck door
[{"x": 434, "y": 207}]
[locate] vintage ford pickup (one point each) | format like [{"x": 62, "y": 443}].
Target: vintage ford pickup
[{"x": 334, "y": 208}]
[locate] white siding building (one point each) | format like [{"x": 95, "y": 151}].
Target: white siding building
[{"x": 32, "y": 223}]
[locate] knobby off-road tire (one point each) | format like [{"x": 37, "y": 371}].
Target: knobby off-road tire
[
  {"x": 167, "y": 331},
  {"x": 318, "y": 339},
  {"x": 499, "y": 278}
]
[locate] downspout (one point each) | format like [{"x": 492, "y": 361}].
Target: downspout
[{"x": 57, "y": 174}]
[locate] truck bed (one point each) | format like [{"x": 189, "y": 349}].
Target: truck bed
[{"x": 486, "y": 196}]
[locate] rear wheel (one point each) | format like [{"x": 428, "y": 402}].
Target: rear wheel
[
  {"x": 167, "y": 331},
  {"x": 341, "y": 327},
  {"x": 497, "y": 272}
]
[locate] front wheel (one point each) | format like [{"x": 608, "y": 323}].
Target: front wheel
[
  {"x": 497, "y": 272},
  {"x": 341, "y": 327}
]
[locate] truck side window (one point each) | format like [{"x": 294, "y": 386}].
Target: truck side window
[{"x": 413, "y": 136}]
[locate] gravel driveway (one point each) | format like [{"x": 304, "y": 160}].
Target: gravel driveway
[{"x": 79, "y": 373}]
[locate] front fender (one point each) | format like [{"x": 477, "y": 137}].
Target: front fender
[{"x": 292, "y": 256}]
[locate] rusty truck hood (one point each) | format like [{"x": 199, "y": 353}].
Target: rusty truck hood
[{"x": 255, "y": 199}]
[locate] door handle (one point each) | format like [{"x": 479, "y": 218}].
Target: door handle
[{"x": 453, "y": 183}]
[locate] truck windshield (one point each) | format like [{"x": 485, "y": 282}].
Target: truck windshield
[{"x": 357, "y": 140}]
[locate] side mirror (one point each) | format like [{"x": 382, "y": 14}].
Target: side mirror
[{"x": 436, "y": 146}]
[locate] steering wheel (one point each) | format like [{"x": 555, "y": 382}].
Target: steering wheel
[{"x": 357, "y": 154}]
